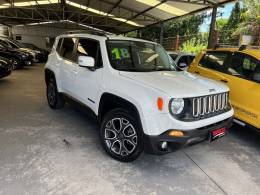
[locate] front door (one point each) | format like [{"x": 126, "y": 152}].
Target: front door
[
  {"x": 245, "y": 93},
  {"x": 87, "y": 81}
]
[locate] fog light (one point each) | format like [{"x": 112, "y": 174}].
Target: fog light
[
  {"x": 176, "y": 133},
  {"x": 164, "y": 145}
]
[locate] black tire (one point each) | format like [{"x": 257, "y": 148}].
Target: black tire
[
  {"x": 121, "y": 135},
  {"x": 15, "y": 64},
  {"x": 55, "y": 99}
]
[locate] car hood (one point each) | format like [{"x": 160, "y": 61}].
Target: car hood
[
  {"x": 16, "y": 51},
  {"x": 177, "y": 84},
  {"x": 29, "y": 50}
]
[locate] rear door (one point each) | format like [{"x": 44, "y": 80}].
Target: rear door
[
  {"x": 245, "y": 93},
  {"x": 67, "y": 63}
]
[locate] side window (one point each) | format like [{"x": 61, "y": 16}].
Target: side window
[
  {"x": 184, "y": 59},
  {"x": 173, "y": 56},
  {"x": 67, "y": 48},
  {"x": 243, "y": 66},
  {"x": 58, "y": 48},
  {"x": 215, "y": 61},
  {"x": 89, "y": 47}
]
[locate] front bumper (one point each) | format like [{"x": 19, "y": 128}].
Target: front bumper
[
  {"x": 152, "y": 143},
  {"x": 27, "y": 63}
]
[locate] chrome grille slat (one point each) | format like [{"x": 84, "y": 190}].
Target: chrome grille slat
[{"x": 209, "y": 104}]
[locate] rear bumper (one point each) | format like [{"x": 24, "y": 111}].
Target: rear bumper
[{"x": 152, "y": 143}]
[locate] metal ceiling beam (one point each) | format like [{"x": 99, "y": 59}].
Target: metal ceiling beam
[
  {"x": 111, "y": 10},
  {"x": 190, "y": 13},
  {"x": 130, "y": 9},
  {"x": 199, "y": 2},
  {"x": 142, "y": 12}
]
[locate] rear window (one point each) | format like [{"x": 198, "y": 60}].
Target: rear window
[
  {"x": 59, "y": 45},
  {"x": 67, "y": 48}
]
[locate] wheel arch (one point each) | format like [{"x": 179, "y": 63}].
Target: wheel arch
[
  {"x": 48, "y": 75},
  {"x": 110, "y": 101}
]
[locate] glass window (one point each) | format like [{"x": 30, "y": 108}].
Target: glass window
[
  {"x": 215, "y": 61},
  {"x": 243, "y": 66},
  {"x": 89, "y": 47},
  {"x": 127, "y": 55},
  {"x": 173, "y": 56},
  {"x": 67, "y": 48},
  {"x": 58, "y": 48},
  {"x": 184, "y": 59}
]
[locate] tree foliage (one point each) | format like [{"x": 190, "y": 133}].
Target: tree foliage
[
  {"x": 250, "y": 20},
  {"x": 226, "y": 27},
  {"x": 183, "y": 26}
]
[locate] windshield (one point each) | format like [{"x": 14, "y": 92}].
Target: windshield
[{"x": 138, "y": 56}]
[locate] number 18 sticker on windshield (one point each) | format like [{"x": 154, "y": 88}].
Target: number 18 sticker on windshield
[{"x": 120, "y": 53}]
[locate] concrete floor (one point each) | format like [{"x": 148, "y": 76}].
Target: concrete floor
[{"x": 35, "y": 160}]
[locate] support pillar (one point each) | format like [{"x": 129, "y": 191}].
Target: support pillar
[
  {"x": 212, "y": 30},
  {"x": 161, "y": 33}
]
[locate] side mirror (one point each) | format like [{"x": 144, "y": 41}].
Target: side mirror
[
  {"x": 86, "y": 61},
  {"x": 256, "y": 77}
]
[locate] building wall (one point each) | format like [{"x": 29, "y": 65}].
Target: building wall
[
  {"x": 4, "y": 31},
  {"x": 37, "y": 35}
]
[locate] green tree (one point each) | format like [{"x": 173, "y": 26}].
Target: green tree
[
  {"x": 250, "y": 20},
  {"x": 183, "y": 26},
  {"x": 226, "y": 31}
]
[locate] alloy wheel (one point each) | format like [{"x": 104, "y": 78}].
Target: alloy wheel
[{"x": 120, "y": 136}]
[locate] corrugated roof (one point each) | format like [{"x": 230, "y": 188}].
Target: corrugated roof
[{"x": 116, "y": 16}]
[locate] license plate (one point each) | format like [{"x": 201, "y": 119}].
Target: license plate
[
  {"x": 28, "y": 63},
  {"x": 217, "y": 133}
]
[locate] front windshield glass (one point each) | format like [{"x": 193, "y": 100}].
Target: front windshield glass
[{"x": 138, "y": 56}]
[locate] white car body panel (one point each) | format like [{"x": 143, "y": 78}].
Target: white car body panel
[{"x": 141, "y": 89}]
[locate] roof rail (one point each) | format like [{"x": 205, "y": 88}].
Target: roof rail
[{"x": 93, "y": 32}]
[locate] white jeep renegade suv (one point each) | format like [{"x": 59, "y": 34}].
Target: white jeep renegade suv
[{"x": 132, "y": 87}]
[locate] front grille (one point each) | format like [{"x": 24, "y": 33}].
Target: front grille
[{"x": 209, "y": 105}]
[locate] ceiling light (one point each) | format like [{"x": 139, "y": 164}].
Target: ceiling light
[
  {"x": 164, "y": 7},
  {"x": 28, "y": 3},
  {"x": 102, "y": 13}
]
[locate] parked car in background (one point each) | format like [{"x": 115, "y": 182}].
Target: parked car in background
[
  {"x": 5, "y": 67},
  {"x": 43, "y": 53},
  {"x": 18, "y": 58},
  {"x": 182, "y": 60},
  {"x": 16, "y": 45},
  {"x": 240, "y": 70}
]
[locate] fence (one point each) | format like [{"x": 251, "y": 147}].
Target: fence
[{"x": 175, "y": 43}]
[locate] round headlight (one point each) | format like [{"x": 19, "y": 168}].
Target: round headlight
[{"x": 176, "y": 105}]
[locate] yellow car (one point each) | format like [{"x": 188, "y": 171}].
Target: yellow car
[{"x": 240, "y": 70}]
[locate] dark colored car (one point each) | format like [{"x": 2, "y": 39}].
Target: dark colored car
[
  {"x": 16, "y": 46},
  {"x": 18, "y": 58},
  {"x": 42, "y": 56},
  {"x": 5, "y": 67}
]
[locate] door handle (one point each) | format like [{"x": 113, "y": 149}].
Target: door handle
[
  {"x": 223, "y": 80},
  {"x": 197, "y": 72}
]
